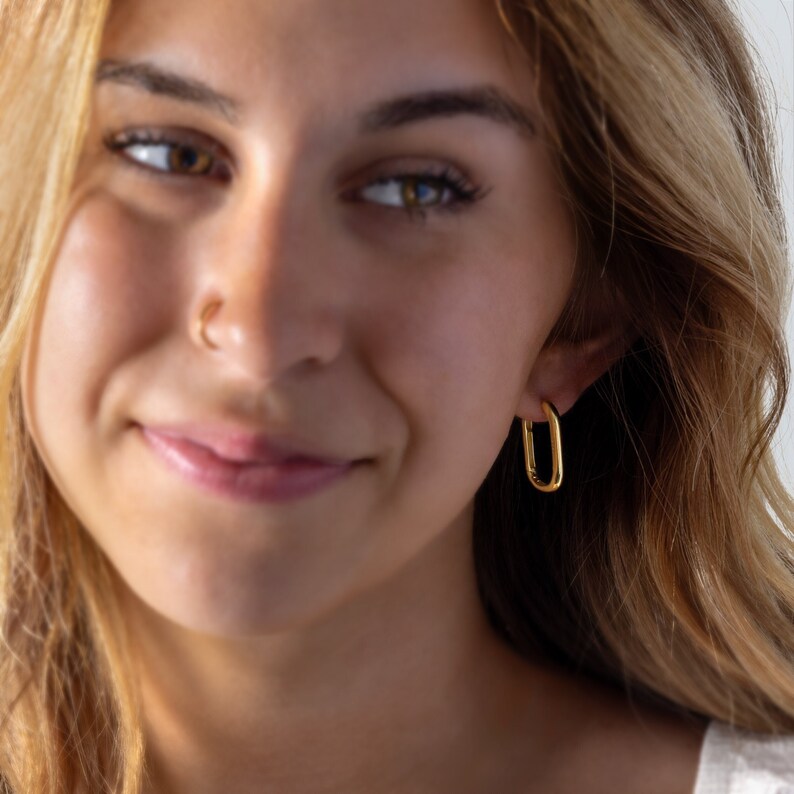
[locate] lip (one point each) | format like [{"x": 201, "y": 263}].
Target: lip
[{"x": 242, "y": 466}]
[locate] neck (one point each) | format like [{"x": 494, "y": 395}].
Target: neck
[{"x": 403, "y": 674}]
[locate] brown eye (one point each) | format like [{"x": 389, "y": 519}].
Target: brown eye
[
  {"x": 166, "y": 156},
  {"x": 409, "y": 192},
  {"x": 421, "y": 192},
  {"x": 189, "y": 160}
]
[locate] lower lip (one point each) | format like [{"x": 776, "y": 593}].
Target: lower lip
[{"x": 248, "y": 482}]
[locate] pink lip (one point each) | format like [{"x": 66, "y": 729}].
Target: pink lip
[{"x": 242, "y": 466}]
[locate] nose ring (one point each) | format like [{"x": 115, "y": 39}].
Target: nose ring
[{"x": 202, "y": 321}]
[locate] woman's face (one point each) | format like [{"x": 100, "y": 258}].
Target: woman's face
[{"x": 387, "y": 269}]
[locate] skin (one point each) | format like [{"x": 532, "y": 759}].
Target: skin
[{"x": 336, "y": 642}]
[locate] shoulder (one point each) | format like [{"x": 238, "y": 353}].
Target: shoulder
[
  {"x": 735, "y": 761},
  {"x": 606, "y": 742},
  {"x": 642, "y": 749}
]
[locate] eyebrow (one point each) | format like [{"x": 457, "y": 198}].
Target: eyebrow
[
  {"x": 486, "y": 101},
  {"x": 155, "y": 80}
]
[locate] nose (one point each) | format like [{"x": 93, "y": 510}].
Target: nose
[{"x": 270, "y": 298}]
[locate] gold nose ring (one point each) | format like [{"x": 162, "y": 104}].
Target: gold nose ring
[{"x": 202, "y": 323}]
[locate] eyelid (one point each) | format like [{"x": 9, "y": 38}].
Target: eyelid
[
  {"x": 429, "y": 169},
  {"x": 117, "y": 141}
]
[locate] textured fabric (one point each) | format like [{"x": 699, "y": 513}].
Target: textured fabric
[{"x": 734, "y": 761}]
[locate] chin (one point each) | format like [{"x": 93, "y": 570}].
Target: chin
[{"x": 227, "y": 597}]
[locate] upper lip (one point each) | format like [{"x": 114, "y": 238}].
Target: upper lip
[{"x": 242, "y": 446}]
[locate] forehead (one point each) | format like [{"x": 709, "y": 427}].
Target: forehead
[{"x": 324, "y": 52}]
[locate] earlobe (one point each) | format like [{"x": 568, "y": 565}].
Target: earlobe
[{"x": 563, "y": 370}]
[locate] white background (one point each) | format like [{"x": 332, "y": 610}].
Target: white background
[{"x": 770, "y": 25}]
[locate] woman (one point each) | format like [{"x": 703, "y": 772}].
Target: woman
[{"x": 290, "y": 292}]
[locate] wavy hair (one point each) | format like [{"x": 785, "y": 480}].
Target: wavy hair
[{"x": 665, "y": 564}]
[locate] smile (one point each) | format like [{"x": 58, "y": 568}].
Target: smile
[{"x": 283, "y": 480}]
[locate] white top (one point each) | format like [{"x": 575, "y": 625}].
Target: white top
[{"x": 734, "y": 761}]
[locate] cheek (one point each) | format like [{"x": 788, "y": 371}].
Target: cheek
[
  {"x": 457, "y": 335},
  {"x": 102, "y": 303},
  {"x": 466, "y": 321}
]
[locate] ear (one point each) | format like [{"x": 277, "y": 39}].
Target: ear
[{"x": 564, "y": 369}]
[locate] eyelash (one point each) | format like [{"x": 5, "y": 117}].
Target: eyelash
[{"x": 464, "y": 192}]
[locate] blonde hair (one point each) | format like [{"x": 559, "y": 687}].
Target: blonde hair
[
  {"x": 664, "y": 564},
  {"x": 70, "y": 717}
]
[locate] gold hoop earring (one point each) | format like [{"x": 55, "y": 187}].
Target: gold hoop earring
[
  {"x": 201, "y": 324},
  {"x": 556, "y": 451}
]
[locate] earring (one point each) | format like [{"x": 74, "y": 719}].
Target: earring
[
  {"x": 556, "y": 451},
  {"x": 201, "y": 324}
]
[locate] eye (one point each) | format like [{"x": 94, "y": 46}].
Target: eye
[
  {"x": 418, "y": 192},
  {"x": 166, "y": 155},
  {"x": 415, "y": 191}
]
